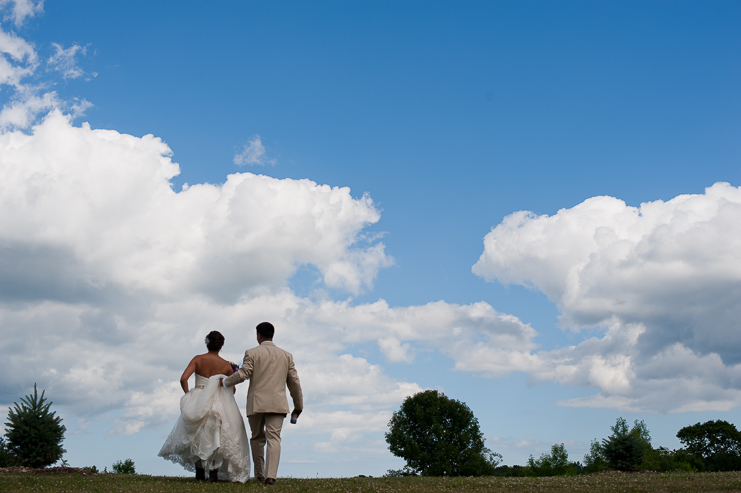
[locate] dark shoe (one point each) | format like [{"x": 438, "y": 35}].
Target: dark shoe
[
  {"x": 200, "y": 474},
  {"x": 259, "y": 479},
  {"x": 213, "y": 475},
  {"x": 270, "y": 481}
]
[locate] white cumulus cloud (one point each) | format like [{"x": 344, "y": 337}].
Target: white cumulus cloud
[
  {"x": 109, "y": 280},
  {"x": 664, "y": 278},
  {"x": 103, "y": 202}
]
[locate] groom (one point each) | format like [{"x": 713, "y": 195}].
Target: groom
[{"x": 269, "y": 369}]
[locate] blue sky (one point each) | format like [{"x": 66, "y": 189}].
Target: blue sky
[{"x": 448, "y": 118}]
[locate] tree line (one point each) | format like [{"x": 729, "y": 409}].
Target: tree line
[{"x": 439, "y": 436}]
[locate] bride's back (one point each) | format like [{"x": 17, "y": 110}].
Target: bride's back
[{"x": 209, "y": 364}]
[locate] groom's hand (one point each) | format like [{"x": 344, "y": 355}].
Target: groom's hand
[{"x": 297, "y": 412}]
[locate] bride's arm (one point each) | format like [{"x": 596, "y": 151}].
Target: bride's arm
[
  {"x": 229, "y": 373},
  {"x": 244, "y": 373},
  {"x": 189, "y": 370}
]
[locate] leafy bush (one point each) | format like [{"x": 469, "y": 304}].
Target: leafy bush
[
  {"x": 7, "y": 458},
  {"x": 555, "y": 464},
  {"x": 439, "y": 436},
  {"x": 125, "y": 467},
  {"x": 34, "y": 435},
  {"x": 595, "y": 461},
  {"x": 91, "y": 469},
  {"x": 512, "y": 471},
  {"x": 664, "y": 460},
  {"x": 399, "y": 473}
]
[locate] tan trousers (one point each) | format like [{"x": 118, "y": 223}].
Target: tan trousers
[{"x": 266, "y": 428}]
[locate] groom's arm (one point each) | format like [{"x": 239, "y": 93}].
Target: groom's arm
[
  {"x": 294, "y": 387},
  {"x": 244, "y": 372}
]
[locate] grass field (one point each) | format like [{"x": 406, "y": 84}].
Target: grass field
[{"x": 676, "y": 482}]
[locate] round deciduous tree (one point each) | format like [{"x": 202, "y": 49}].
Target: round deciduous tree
[
  {"x": 439, "y": 436},
  {"x": 717, "y": 444},
  {"x": 34, "y": 434}
]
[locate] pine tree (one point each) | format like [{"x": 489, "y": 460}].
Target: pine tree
[
  {"x": 34, "y": 435},
  {"x": 624, "y": 449}
]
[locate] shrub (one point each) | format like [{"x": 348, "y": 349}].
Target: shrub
[
  {"x": 92, "y": 469},
  {"x": 439, "y": 436},
  {"x": 512, "y": 471},
  {"x": 125, "y": 467},
  {"x": 664, "y": 460},
  {"x": 399, "y": 473},
  {"x": 595, "y": 461},
  {"x": 34, "y": 435},
  {"x": 555, "y": 464},
  {"x": 7, "y": 458}
]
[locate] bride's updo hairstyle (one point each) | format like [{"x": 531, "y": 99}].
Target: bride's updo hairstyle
[{"x": 214, "y": 341}]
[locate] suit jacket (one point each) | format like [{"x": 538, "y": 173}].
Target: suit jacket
[{"x": 269, "y": 369}]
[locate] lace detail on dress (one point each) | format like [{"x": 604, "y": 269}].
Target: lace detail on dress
[{"x": 211, "y": 430}]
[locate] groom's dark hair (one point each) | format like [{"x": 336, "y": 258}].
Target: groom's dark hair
[{"x": 266, "y": 330}]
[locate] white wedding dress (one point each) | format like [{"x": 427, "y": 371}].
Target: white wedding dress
[{"x": 211, "y": 430}]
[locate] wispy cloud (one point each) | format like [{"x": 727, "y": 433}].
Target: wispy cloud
[
  {"x": 253, "y": 153},
  {"x": 65, "y": 60},
  {"x": 28, "y": 99},
  {"x": 18, "y": 11}
]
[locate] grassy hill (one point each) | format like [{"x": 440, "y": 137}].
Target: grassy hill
[{"x": 674, "y": 482}]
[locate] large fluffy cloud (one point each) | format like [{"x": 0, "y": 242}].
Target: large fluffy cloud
[
  {"x": 664, "y": 277},
  {"x": 85, "y": 212},
  {"x": 109, "y": 279},
  {"x": 94, "y": 238}
]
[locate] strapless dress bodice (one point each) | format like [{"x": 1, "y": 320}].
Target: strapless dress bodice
[{"x": 201, "y": 381}]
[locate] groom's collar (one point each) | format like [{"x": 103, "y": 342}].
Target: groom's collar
[{"x": 267, "y": 342}]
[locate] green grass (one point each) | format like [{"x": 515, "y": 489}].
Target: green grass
[{"x": 695, "y": 482}]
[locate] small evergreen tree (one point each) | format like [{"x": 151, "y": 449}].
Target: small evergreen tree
[
  {"x": 34, "y": 435},
  {"x": 625, "y": 448}
]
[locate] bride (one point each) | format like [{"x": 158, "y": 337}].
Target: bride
[{"x": 209, "y": 434}]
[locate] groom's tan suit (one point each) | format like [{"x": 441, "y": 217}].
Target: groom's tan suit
[{"x": 269, "y": 369}]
